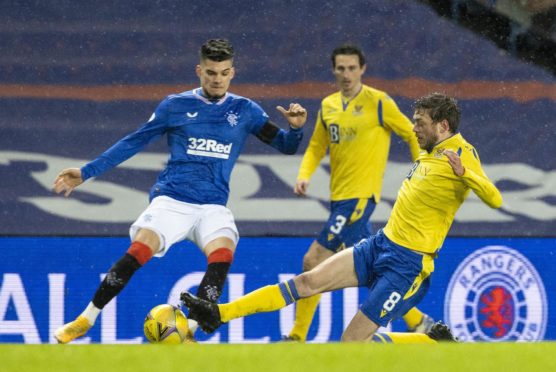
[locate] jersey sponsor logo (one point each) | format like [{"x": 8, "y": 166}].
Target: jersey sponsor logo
[
  {"x": 208, "y": 147},
  {"x": 192, "y": 115},
  {"x": 334, "y": 132},
  {"x": 496, "y": 294},
  {"x": 232, "y": 118},
  {"x": 338, "y": 134},
  {"x": 412, "y": 170}
]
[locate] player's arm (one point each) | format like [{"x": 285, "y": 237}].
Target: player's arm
[
  {"x": 474, "y": 177},
  {"x": 285, "y": 141},
  {"x": 400, "y": 124},
  {"x": 316, "y": 150},
  {"x": 68, "y": 179}
]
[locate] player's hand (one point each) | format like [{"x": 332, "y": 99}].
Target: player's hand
[
  {"x": 296, "y": 115},
  {"x": 301, "y": 187},
  {"x": 67, "y": 180},
  {"x": 455, "y": 162}
]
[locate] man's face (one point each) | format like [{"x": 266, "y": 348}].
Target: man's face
[
  {"x": 215, "y": 76},
  {"x": 425, "y": 129},
  {"x": 348, "y": 72}
]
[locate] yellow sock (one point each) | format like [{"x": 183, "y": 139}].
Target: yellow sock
[
  {"x": 402, "y": 338},
  {"x": 264, "y": 299},
  {"x": 413, "y": 318},
  {"x": 304, "y": 313}
]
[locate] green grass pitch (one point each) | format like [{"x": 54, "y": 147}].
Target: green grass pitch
[{"x": 507, "y": 357}]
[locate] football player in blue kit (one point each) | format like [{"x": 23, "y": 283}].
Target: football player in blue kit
[{"x": 206, "y": 129}]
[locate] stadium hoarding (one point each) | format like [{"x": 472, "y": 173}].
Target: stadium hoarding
[
  {"x": 261, "y": 198},
  {"x": 487, "y": 289}
]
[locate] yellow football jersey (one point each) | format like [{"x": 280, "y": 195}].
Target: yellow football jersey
[
  {"x": 357, "y": 133},
  {"x": 431, "y": 194}
]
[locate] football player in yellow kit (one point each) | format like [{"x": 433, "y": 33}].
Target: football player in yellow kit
[
  {"x": 396, "y": 263},
  {"x": 355, "y": 125}
]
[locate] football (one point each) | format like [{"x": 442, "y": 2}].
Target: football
[{"x": 165, "y": 324}]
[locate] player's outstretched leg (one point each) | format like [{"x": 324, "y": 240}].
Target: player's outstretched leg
[
  {"x": 441, "y": 332},
  {"x": 72, "y": 330},
  {"x": 208, "y": 314},
  {"x": 117, "y": 278}
]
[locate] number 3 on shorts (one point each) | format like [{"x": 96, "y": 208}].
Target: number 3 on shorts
[
  {"x": 391, "y": 302},
  {"x": 340, "y": 222}
]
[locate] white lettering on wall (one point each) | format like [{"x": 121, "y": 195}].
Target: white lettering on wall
[
  {"x": 236, "y": 326},
  {"x": 109, "y": 323},
  {"x": 287, "y": 314},
  {"x": 12, "y": 290}
]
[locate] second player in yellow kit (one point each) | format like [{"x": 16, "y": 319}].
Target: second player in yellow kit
[
  {"x": 355, "y": 126},
  {"x": 357, "y": 133}
]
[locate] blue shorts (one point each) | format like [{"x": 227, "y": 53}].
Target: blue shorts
[
  {"x": 348, "y": 223},
  {"x": 397, "y": 277}
]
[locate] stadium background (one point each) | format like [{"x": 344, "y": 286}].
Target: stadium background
[{"x": 76, "y": 76}]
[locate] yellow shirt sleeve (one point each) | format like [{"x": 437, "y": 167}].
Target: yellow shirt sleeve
[
  {"x": 401, "y": 125},
  {"x": 476, "y": 179},
  {"x": 316, "y": 150},
  {"x": 432, "y": 193}
]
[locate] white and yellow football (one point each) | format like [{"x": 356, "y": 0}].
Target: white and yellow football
[{"x": 165, "y": 324}]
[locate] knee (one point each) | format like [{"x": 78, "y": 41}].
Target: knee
[
  {"x": 306, "y": 284},
  {"x": 150, "y": 239},
  {"x": 310, "y": 260}
]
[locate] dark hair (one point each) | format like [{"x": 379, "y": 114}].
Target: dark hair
[
  {"x": 439, "y": 107},
  {"x": 348, "y": 49},
  {"x": 217, "y": 50}
]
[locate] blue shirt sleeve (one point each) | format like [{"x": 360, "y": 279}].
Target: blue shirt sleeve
[
  {"x": 130, "y": 144},
  {"x": 286, "y": 142},
  {"x": 258, "y": 117}
]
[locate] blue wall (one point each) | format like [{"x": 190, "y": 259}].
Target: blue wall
[{"x": 485, "y": 294}]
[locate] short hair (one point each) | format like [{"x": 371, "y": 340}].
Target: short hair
[
  {"x": 439, "y": 107},
  {"x": 348, "y": 49},
  {"x": 217, "y": 50}
]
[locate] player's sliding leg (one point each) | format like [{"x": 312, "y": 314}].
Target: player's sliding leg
[
  {"x": 334, "y": 273},
  {"x": 417, "y": 321},
  {"x": 439, "y": 332},
  {"x": 138, "y": 254},
  {"x": 220, "y": 253},
  {"x": 211, "y": 315},
  {"x": 305, "y": 308}
]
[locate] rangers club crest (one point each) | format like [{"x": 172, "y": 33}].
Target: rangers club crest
[
  {"x": 496, "y": 294},
  {"x": 232, "y": 118}
]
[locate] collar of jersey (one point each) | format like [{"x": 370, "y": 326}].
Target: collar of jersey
[
  {"x": 447, "y": 142},
  {"x": 197, "y": 93}
]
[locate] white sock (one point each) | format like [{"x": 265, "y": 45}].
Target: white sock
[
  {"x": 91, "y": 313},
  {"x": 193, "y": 325}
]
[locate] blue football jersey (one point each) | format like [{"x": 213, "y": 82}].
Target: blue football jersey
[{"x": 205, "y": 139}]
